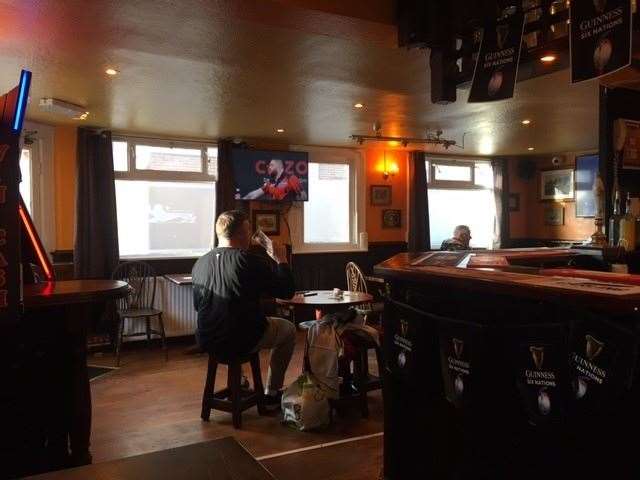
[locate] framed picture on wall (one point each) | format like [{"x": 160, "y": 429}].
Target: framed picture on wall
[
  {"x": 587, "y": 167},
  {"x": 630, "y": 139},
  {"x": 267, "y": 220},
  {"x": 391, "y": 218},
  {"x": 381, "y": 195},
  {"x": 554, "y": 214},
  {"x": 556, "y": 184}
]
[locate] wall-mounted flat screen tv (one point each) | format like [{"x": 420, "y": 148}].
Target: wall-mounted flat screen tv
[{"x": 268, "y": 175}]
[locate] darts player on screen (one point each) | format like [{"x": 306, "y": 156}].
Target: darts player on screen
[{"x": 279, "y": 185}]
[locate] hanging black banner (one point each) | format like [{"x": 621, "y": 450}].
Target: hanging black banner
[
  {"x": 463, "y": 359},
  {"x": 600, "y": 37},
  {"x": 602, "y": 357},
  {"x": 494, "y": 77},
  {"x": 539, "y": 361}
]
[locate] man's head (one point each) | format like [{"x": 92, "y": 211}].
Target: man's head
[
  {"x": 275, "y": 167},
  {"x": 462, "y": 233},
  {"x": 233, "y": 229}
]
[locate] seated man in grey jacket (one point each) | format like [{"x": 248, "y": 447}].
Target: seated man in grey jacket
[
  {"x": 460, "y": 239},
  {"x": 228, "y": 283}
]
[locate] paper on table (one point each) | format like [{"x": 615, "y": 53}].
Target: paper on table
[{"x": 261, "y": 239}]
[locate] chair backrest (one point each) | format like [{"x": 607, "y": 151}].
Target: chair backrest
[
  {"x": 355, "y": 278},
  {"x": 141, "y": 278}
]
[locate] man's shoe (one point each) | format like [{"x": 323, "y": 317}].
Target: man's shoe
[{"x": 272, "y": 402}]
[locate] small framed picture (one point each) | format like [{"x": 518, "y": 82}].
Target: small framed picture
[
  {"x": 381, "y": 195},
  {"x": 556, "y": 184},
  {"x": 267, "y": 220},
  {"x": 554, "y": 214},
  {"x": 391, "y": 218},
  {"x": 514, "y": 202}
]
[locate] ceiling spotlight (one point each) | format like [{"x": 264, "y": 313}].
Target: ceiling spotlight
[
  {"x": 358, "y": 105},
  {"x": 280, "y": 130},
  {"x": 526, "y": 122},
  {"x": 531, "y": 149},
  {"x": 548, "y": 58},
  {"x": 111, "y": 71}
]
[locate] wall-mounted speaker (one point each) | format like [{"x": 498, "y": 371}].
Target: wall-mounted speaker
[
  {"x": 526, "y": 169},
  {"x": 443, "y": 76}
]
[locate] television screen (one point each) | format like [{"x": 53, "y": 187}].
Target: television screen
[{"x": 271, "y": 176}]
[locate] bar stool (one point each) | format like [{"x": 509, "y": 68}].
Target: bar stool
[
  {"x": 357, "y": 353},
  {"x": 233, "y": 399}
]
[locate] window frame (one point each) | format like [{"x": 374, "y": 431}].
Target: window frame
[
  {"x": 134, "y": 174},
  {"x": 432, "y": 183},
  {"x": 357, "y": 183},
  {"x": 42, "y": 188}
]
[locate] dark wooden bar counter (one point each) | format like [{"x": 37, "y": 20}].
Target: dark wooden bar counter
[
  {"x": 47, "y": 414},
  {"x": 507, "y": 278},
  {"x": 509, "y": 364}
]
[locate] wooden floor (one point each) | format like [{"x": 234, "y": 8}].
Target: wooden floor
[
  {"x": 150, "y": 405},
  {"x": 357, "y": 460}
]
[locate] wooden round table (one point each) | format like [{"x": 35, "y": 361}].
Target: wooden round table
[{"x": 323, "y": 301}]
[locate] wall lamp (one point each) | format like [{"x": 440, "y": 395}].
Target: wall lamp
[{"x": 388, "y": 169}]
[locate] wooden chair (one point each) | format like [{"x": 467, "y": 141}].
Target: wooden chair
[
  {"x": 138, "y": 305},
  {"x": 363, "y": 380},
  {"x": 357, "y": 283},
  {"x": 234, "y": 398}
]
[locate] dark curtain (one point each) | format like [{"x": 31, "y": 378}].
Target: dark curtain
[
  {"x": 419, "y": 235},
  {"x": 96, "y": 252},
  {"x": 225, "y": 183},
  {"x": 501, "y": 196}
]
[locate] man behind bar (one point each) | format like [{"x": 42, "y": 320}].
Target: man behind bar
[
  {"x": 460, "y": 239},
  {"x": 228, "y": 283}
]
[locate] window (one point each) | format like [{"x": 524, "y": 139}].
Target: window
[
  {"x": 452, "y": 173},
  {"x": 328, "y": 192},
  {"x": 165, "y": 196},
  {"x": 26, "y": 185},
  {"x": 330, "y": 220},
  {"x": 461, "y": 193},
  {"x": 36, "y": 188}
]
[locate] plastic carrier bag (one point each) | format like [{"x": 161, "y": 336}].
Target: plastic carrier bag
[{"x": 305, "y": 405}]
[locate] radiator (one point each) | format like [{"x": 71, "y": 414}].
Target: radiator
[{"x": 176, "y": 303}]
